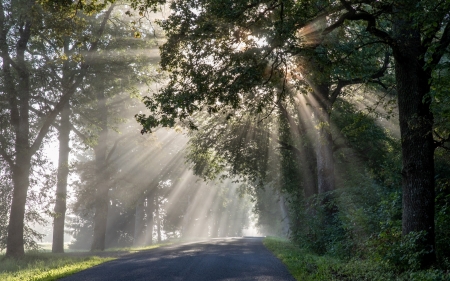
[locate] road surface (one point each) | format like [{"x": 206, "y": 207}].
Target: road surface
[{"x": 236, "y": 259}]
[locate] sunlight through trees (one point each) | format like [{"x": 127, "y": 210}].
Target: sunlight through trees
[{"x": 326, "y": 122}]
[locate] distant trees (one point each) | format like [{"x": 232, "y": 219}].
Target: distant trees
[
  {"x": 153, "y": 196},
  {"x": 51, "y": 66}
]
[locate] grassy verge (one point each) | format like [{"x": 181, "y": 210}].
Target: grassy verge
[
  {"x": 44, "y": 266},
  {"x": 306, "y": 266}
]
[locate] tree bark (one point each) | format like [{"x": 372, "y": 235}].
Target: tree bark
[
  {"x": 61, "y": 186},
  {"x": 20, "y": 176},
  {"x": 416, "y": 124}
]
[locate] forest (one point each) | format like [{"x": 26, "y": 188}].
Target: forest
[{"x": 326, "y": 122}]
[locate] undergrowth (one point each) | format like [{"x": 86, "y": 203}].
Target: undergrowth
[{"x": 305, "y": 266}]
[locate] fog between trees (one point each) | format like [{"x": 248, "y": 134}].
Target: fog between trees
[{"x": 325, "y": 121}]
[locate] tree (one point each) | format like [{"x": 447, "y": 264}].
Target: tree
[
  {"x": 259, "y": 58},
  {"x": 419, "y": 38},
  {"x": 23, "y": 61},
  {"x": 72, "y": 48}
]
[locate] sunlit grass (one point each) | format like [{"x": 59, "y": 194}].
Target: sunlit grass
[{"x": 45, "y": 266}]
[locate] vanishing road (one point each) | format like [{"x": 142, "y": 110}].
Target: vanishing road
[{"x": 236, "y": 259}]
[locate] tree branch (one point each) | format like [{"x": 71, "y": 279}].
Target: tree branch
[
  {"x": 440, "y": 50},
  {"x": 71, "y": 90},
  {"x": 111, "y": 152},
  {"x": 372, "y": 78},
  {"x": 355, "y": 15},
  {"x": 78, "y": 133},
  {"x": 287, "y": 146}
]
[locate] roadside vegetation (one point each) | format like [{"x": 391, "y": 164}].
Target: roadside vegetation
[
  {"x": 305, "y": 265},
  {"x": 44, "y": 266}
]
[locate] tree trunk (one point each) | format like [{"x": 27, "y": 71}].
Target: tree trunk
[
  {"x": 416, "y": 124},
  {"x": 318, "y": 78},
  {"x": 101, "y": 197},
  {"x": 20, "y": 176},
  {"x": 139, "y": 222},
  {"x": 324, "y": 154},
  {"x": 285, "y": 221},
  {"x": 158, "y": 220},
  {"x": 149, "y": 218},
  {"x": 19, "y": 116},
  {"x": 61, "y": 186}
]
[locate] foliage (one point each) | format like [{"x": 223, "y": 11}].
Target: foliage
[
  {"x": 305, "y": 265},
  {"x": 224, "y": 58},
  {"x": 38, "y": 203}
]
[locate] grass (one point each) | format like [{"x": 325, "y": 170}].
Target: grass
[
  {"x": 45, "y": 266},
  {"x": 307, "y": 266}
]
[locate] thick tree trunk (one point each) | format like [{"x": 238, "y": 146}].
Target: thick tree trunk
[
  {"x": 20, "y": 176},
  {"x": 61, "y": 186},
  {"x": 318, "y": 79},
  {"x": 101, "y": 213},
  {"x": 416, "y": 124}
]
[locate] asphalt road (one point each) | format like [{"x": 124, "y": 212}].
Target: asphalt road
[{"x": 236, "y": 259}]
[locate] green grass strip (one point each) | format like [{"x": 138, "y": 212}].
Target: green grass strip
[{"x": 45, "y": 267}]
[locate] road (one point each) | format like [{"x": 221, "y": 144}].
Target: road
[{"x": 236, "y": 259}]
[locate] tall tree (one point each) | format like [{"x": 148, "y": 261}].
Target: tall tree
[
  {"x": 419, "y": 38},
  {"x": 31, "y": 38},
  {"x": 61, "y": 186},
  {"x": 30, "y": 119}
]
